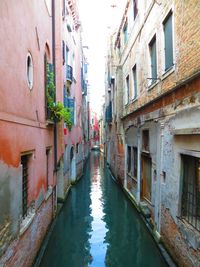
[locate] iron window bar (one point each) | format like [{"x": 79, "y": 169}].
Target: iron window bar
[
  {"x": 190, "y": 210},
  {"x": 24, "y": 162}
]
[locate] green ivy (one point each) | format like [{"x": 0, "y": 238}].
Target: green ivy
[{"x": 56, "y": 109}]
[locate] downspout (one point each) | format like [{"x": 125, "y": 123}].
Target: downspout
[
  {"x": 125, "y": 166},
  {"x": 55, "y": 126},
  {"x": 161, "y": 176},
  {"x": 54, "y": 70},
  {"x": 138, "y": 165}
]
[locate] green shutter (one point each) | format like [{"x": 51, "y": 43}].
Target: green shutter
[
  {"x": 153, "y": 60},
  {"x": 168, "y": 42},
  {"x": 134, "y": 81}
]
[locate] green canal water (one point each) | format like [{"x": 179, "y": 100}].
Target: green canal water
[{"x": 98, "y": 226}]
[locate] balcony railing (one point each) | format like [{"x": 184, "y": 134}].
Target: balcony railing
[
  {"x": 109, "y": 113},
  {"x": 69, "y": 73}
]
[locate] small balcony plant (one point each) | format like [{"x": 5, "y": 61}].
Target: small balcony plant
[{"x": 55, "y": 110}]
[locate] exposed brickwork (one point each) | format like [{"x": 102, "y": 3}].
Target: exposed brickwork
[
  {"x": 23, "y": 250},
  {"x": 179, "y": 94},
  {"x": 5, "y": 235},
  {"x": 175, "y": 242}
]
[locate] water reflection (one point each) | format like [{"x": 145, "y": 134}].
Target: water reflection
[{"x": 99, "y": 227}]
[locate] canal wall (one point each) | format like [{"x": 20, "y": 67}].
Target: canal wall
[{"x": 22, "y": 251}]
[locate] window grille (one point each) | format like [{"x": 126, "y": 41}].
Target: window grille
[
  {"x": 24, "y": 162},
  {"x": 190, "y": 208}
]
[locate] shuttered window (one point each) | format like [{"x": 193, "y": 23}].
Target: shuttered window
[
  {"x": 153, "y": 59},
  {"x": 168, "y": 41},
  {"x": 134, "y": 80}
]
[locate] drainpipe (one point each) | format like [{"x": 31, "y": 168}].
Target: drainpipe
[
  {"x": 54, "y": 70},
  {"x": 138, "y": 165},
  {"x": 54, "y": 64},
  {"x": 161, "y": 176},
  {"x": 125, "y": 167}
]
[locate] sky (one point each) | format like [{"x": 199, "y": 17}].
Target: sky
[{"x": 98, "y": 18}]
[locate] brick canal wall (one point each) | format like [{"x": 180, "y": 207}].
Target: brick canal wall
[
  {"x": 23, "y": 250},
  {"x": 175, "y": 241}
]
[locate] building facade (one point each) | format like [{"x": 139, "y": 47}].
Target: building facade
[
  {"x": 94, "y": 129},
  {"x": 75, "y": 143},
  {"x": 27, "y": 177},
  {"x": 40, "y": 154},
  {"x": 155, "y": 53}
]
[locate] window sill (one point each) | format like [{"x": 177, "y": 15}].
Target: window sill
[
  {"x": 151, "y": 86},
  {"x": 49, "y": 122},
  {"x": 190, "y": 233},
  {"x": 48, "y": 193},
  {"x": 26, "y": 222},
  {"x": 168, "y": 72},
  {"x": 133, "y": 100},
  {"x": 145, "y": 152},
  {"x": 132, "y": 177}
]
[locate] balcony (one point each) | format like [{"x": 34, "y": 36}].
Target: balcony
[
  {"x": 69, "y": 73},
  {"x": 109, "y": 113}
]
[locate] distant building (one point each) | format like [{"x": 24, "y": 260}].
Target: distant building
[
  {"x": 94, "y": 129},
  {"x": 152, "y": 113}
]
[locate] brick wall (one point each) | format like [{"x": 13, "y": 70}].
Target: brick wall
[
  {"x": 184, "y": 254},
  {"x": 23, "y": 250}
]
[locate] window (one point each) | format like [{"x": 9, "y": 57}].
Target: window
[
  {"x": 63, "y": 51},
  {"x": 125, "y": 31},
  {"x": 47, "y": 166},
  {"x": 74, "y": 66},
  {"x": 153, "y": 59},
  {"x": 129, "y": 159},
  {"x": 71, "y": 154},
  {"x": 145, "y": 140},
  {"x": 146, "y": 176},
  {"x": 67, "y": 55},
  {"x": 135, "y": 8},
  {"x": 135, "y": 159},
  {"x": 132, "y": 161},
  {"x": 168, "y": 41},
  {"x": 24, "y": 162},
  {"x": 190, "y": 205},
  {"x": 127, "y": 88},
  {"x": 134, "y": 85},
  {"x": 77, "y": 146},
  {"x": 29, "y": 70}
]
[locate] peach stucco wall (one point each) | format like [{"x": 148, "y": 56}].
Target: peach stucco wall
[{"x": 25, "y": 27}]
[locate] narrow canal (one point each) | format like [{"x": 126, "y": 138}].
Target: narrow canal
[{"x": 98, "y": 227}]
